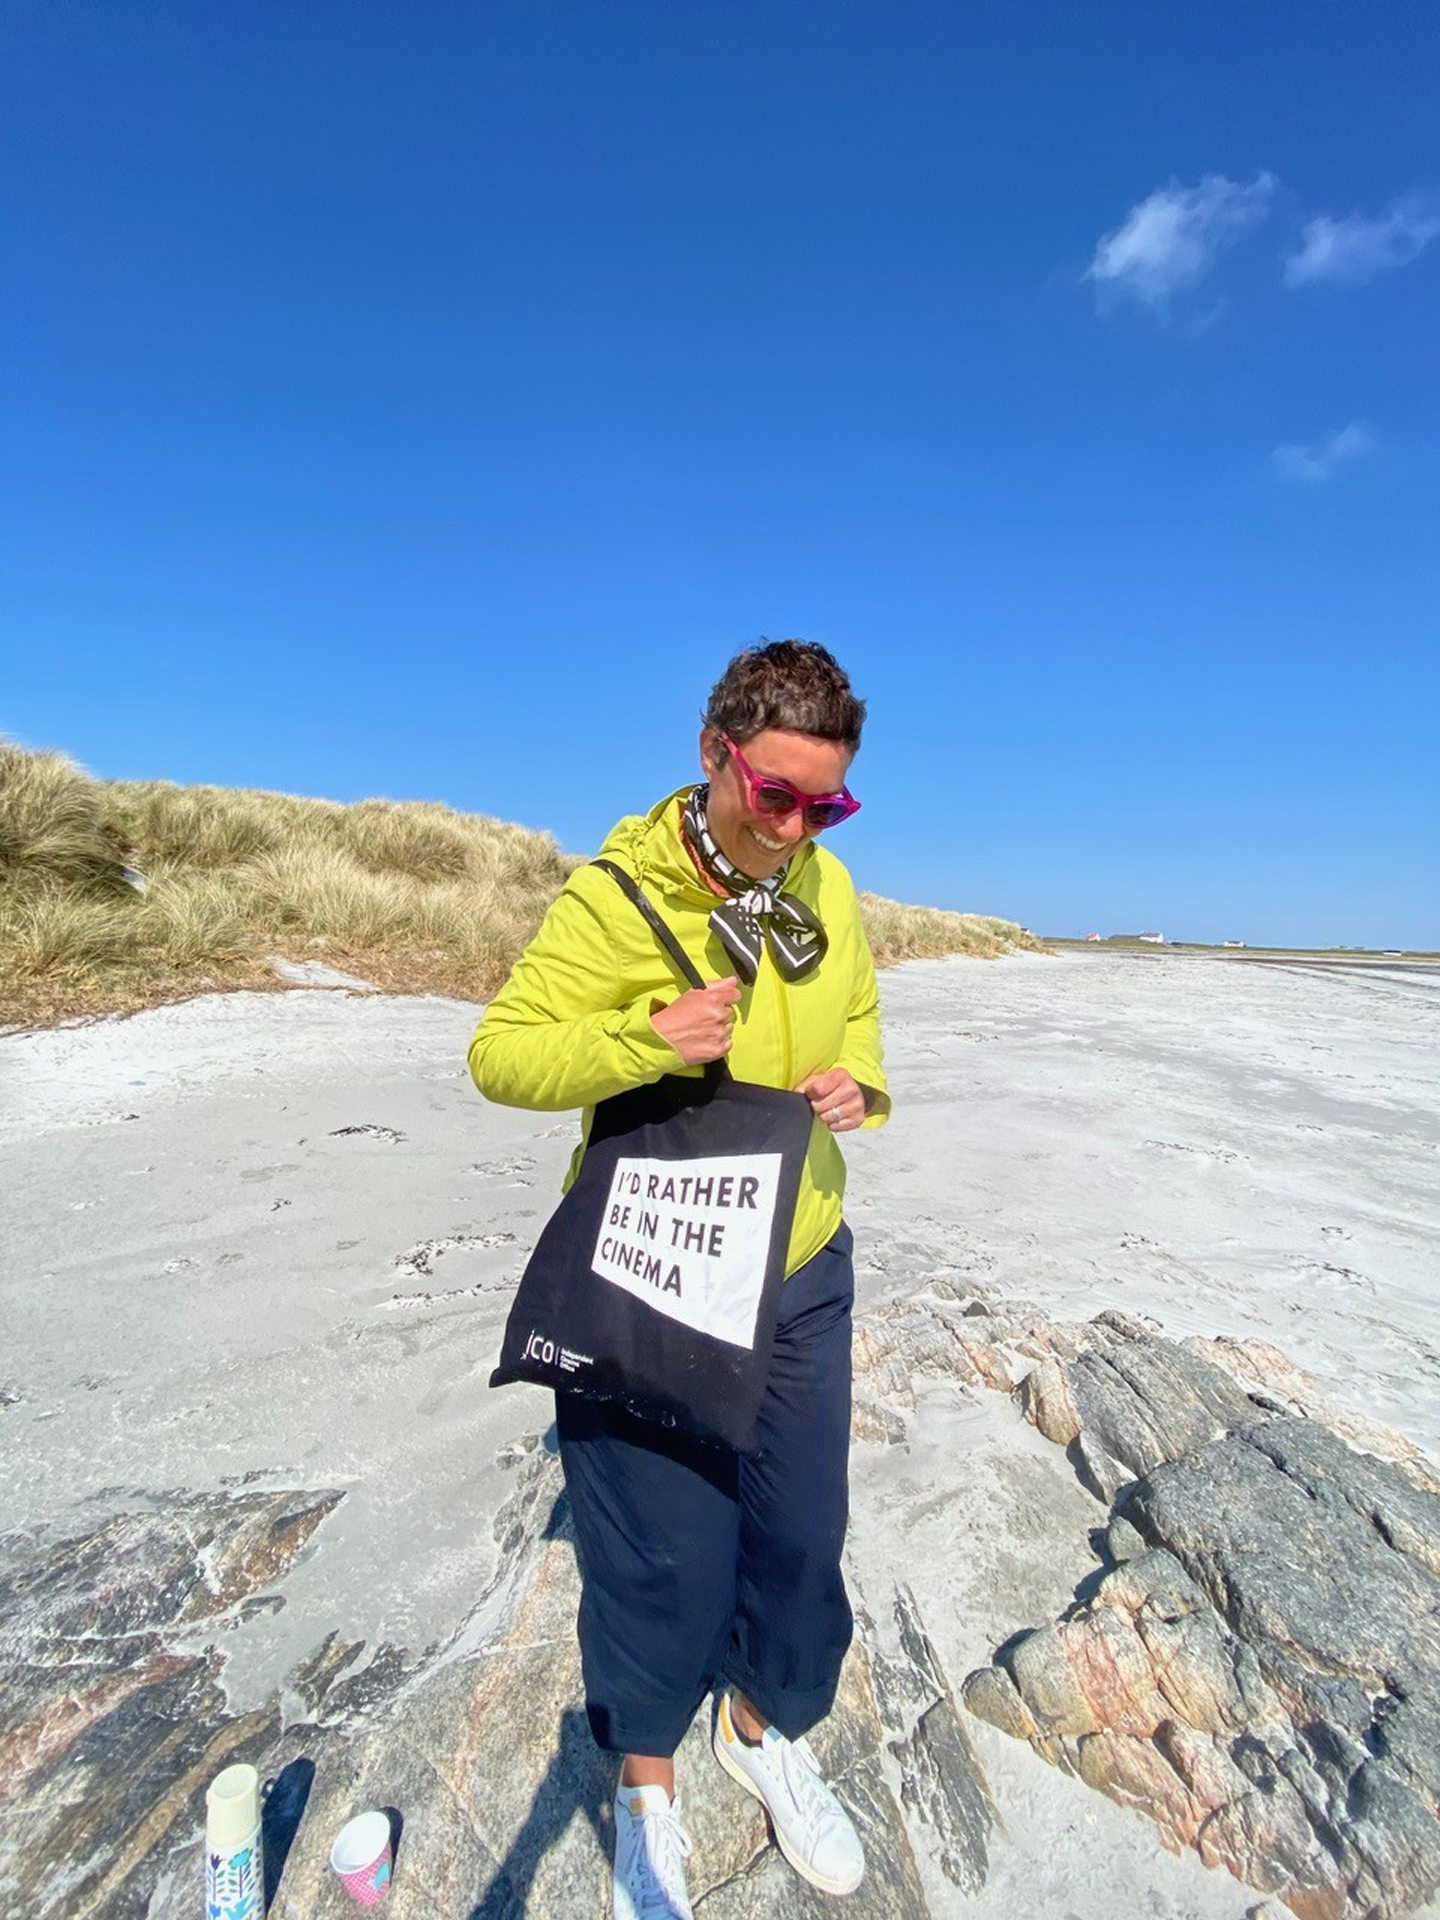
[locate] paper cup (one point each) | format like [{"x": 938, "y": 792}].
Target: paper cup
[{"x": 361, "y": 1857}]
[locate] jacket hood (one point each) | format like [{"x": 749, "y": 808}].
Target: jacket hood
[{"x": 649, "y": 844}]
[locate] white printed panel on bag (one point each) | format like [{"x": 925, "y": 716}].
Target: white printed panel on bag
[{"x": 691, "y": 1238}]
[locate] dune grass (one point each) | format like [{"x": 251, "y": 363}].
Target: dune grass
[
  {"x": 897, "y": 932},
  {"x": 121, "y": 894}
]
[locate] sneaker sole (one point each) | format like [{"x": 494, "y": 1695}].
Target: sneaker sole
[{"x": 802, "y": 1867}]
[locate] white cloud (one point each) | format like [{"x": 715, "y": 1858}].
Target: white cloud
[
  {"x": 1324, "y": 460},
  {"x": 1355, "y": 249},
  {"x": 1170, "y": 239}
]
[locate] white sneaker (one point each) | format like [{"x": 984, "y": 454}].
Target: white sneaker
[
  {"x": 651, "y": 1848},
  {"x": 812, "y": 1829}
]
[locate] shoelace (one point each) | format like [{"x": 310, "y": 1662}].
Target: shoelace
[
  {"x": 661, "y": 1848},
  {"x": 813, "y": 1799}
]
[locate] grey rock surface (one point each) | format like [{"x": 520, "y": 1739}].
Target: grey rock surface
[
  {"x": 1132, "y": 1400},
  {"x": 115, "y": 1724},
  {"x": 507, "y": 1800},
  {"x": 1259, "y": 1670},
  {"x": 942, "y": 1782},
  {"x": 1324, "y": 1561},
  {"x": 115, "y": 1718}
]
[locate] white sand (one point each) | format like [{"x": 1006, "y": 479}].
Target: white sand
[
  {"x": 203, "y": 1278},
  {"x": 1232, "y": 1147}
]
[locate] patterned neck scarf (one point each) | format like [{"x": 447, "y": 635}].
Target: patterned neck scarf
[{"x": 758, "y": 914}]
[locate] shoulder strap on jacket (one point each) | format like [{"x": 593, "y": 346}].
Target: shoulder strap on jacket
[
  {"x": 715, "y": 1072},
  {"x": 663, "y": 934}
]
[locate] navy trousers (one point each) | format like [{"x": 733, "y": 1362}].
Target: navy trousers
[{"x": 698, "y": 1564}]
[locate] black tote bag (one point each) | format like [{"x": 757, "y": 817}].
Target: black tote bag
[{"x": 656, "y": 1282}]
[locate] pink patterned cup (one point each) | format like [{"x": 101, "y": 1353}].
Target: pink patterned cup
[{"x": 361, "y": 1857}]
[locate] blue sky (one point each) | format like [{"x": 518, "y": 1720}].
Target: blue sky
[{"x": 426, "y": 401}]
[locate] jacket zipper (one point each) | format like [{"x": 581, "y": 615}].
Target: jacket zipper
[{"x": 787, "y": 1038}]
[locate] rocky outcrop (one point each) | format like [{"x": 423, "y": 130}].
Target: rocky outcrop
[
  {"x": 500, "y": 1797},
  {"x": 954, "y": 1332},
  {"x": 506, "y": 1800},
  {"x": 1127, "y": 1403},
  {"x": 113, "y": 1725},
  {"x": 941, "y": 1780},
  {"x": 1277, "y": 1385},
  {"x": 1256, "y": 1664}
]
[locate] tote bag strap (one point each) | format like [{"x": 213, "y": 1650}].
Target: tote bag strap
[
  {"x": 715, "y": 1070},
  {"x": 686, "y": 966}
]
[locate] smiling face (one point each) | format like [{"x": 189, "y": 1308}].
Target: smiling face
[{"x": 759, "y": 843}]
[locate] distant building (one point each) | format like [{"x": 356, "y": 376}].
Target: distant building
[
  {"x": 1092, "y": 936},
  {"x": 1152, "y": 939},
  {"x": 1232, "y": 943}
]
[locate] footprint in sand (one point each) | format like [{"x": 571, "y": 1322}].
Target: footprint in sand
[
  {"x": 513, "y": 1169},
  {"x": 1204, "y": 1153},
  {"x": 420, "y": 1261}
]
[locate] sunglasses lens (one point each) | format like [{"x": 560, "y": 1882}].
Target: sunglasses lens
[
  {"x": 826, "y": 813},
  {"x": 772, "y": 799}
]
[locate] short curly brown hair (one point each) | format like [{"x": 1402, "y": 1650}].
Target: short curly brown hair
[{"x": 793, "y": 685}]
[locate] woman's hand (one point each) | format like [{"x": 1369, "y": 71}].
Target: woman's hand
[
  {"x": 836, "y": 1098},
  {"x": 698, "y": 1024}
]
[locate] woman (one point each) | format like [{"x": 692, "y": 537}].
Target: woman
[{"x": 701, "y": 1567}]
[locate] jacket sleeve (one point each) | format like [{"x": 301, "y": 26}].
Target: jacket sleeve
[
  {"x": 558, "y": 1034},
  {"x": 861, "y": 1054}
]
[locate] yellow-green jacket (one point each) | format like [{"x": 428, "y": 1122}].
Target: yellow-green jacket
[{"x": 571, "y": 1026}]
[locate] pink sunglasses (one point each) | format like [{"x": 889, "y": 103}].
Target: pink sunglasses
[{"x": 777, "y": 798}]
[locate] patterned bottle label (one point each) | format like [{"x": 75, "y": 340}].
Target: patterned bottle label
[{"x": 235, "y": 1884}]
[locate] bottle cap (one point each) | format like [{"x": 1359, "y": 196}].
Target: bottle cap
[{"x": 232, "y": 1808}]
